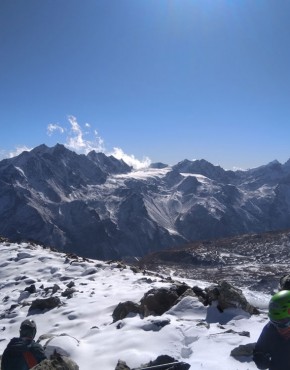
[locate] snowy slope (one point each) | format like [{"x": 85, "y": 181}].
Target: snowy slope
[{"x": 83, "y": 326}]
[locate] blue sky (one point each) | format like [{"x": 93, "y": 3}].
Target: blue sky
[{"x": 151, "y": 79}]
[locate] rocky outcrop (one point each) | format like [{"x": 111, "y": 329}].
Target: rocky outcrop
[
  {"x": 228, "y": 296},
  {"x": 157, "y": 301}
]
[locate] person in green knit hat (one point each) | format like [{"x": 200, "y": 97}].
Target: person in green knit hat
[{"x": 272, "y": 350}]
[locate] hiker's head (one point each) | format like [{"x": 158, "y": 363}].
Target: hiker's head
[
  {"x": 279, "y": 309},
  {"x": 28, "y": 329}
]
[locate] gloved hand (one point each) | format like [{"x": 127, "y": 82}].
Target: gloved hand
[{"x": 262, "y": 360}]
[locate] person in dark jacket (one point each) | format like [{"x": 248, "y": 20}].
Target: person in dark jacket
[
  {"x": 272, "y": 350},
  {"x": 23, "y": 353}
]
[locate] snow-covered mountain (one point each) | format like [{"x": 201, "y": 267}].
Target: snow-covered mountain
[
  {"x": 73, "y": 301},
  {"x": 99, "y": 207}
]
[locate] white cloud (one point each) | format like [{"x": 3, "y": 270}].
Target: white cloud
[
  {"x": 82, "y": 140},
  {"x": 85, "y": 139},
  {"x": 52, "y": 127},
  {"x": 130, "y": 159},
  {"x": 77, "y": 139},
  {"x": 19, "y": 150}
]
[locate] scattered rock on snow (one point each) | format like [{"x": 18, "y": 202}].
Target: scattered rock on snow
[
  {"x": 243, "y": 351},
  {"x": 68, "y": 292},
  {"x": 31, "y": 289},
  {"x": 44, "y": 304}
]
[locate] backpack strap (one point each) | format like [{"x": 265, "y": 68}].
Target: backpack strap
[{"x": 30, "y": 359}]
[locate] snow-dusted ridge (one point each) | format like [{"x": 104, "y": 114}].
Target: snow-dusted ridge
[
  {"x": 100, "y": 207},
  {"x": 82, "y": 326}
]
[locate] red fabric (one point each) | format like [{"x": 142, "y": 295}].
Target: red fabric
[
  {"x": 30, "y": 359},
  {"x": 285, "y": 332}
]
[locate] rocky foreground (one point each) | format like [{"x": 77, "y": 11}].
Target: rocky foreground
[{"x": 112, "y": 316}]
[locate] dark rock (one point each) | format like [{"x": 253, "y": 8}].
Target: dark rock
[
  {"x": 284, "y": 283},
  {"x": 201, "y": 294},
  {"x": 157, "y": 301},
  {"x": 124, "y": 309},
  {"x": 166, "y": 361},
  {"x": 53, "y": 289},
  {"x": 241, "y": 333},
  {"x": 228, "y": 296},
  {"x": 135, "y": 269},
  {"x": 68, "y": 292},
  {"x": 243, "y": 351},
  {"x": 71, "y": 284},
  {"x": 30, "y": 289},
  {"x": 180, "y": 287},
  {"x": 188, "y": 293},
  {"x": 121, "y": 365},
  {"x": 64, "y": 278},
  {"x": 44, "y": 304}
]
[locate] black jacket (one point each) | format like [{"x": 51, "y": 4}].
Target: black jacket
[
  {"x": 272, "y": 350},
  {"x": 21, "y": 353}
]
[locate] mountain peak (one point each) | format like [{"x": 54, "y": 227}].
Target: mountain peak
[{"x": 109, "y": 164}]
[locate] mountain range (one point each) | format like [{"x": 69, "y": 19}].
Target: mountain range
[{"x": 97, "y": 206}]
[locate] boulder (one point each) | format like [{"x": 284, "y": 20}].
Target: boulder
[
  {"x": 124, "y": 309},
  {"x": 157, "y": 301},
  {"x": 243, "y": 351},
  {"x": 44, "y": 304},
  {"x": 228, "y": 296}
]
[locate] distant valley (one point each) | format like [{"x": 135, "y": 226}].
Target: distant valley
[{"x": 255, "y": 261}]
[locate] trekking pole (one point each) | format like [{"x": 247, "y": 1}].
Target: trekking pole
[{"x": 163, "y": 366}]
